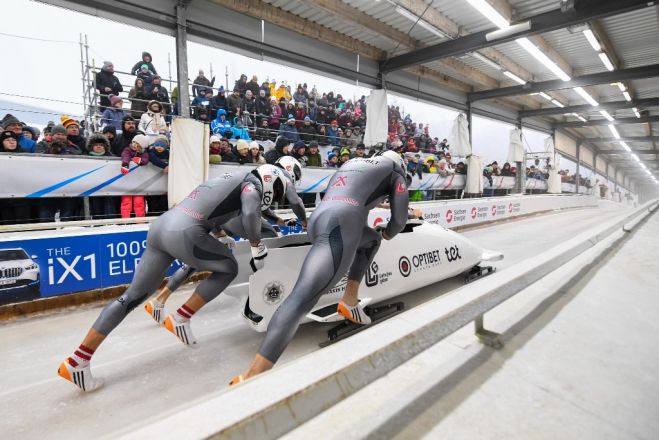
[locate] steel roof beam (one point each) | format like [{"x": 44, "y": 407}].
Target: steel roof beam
[
  {"x": 614, "y": 105},
  {"x": 620, "y": 121},
  {"x": 583, "y": 10},
  {"x": 635, "y": 151},
  {"x": 607, "y": 77},
  {"x": 622, "y": 139}
]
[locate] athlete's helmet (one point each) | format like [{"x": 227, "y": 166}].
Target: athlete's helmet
[
  {"x": 274, "y": 184},
  {"x": 399, "y": 164},
  {"x": 293, "y": 166}
]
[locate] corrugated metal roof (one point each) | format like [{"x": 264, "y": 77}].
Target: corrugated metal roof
[
  {"x": 576, "y": 50},
  {"x": 528, "y": 8},
  {"x": 635, "y": 36}
]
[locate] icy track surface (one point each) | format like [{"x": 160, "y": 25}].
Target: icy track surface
[{"x": 147, "y": 371}]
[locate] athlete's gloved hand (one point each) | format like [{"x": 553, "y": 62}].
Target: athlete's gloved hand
[
  {"x": 259, "y": 253},
  {"x": 380, "y": 231},
  {"x": 229, "y": 242},
  {"x": 291, "y": 222},
  {"x": 137, "y": 160},
  {"x": 124, "y": 170}
]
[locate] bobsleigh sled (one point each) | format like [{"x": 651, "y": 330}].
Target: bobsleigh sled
[{"x": 422, "y": 254}]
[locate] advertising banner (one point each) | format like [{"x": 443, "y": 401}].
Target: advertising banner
[{"x": 35, "y": 176}]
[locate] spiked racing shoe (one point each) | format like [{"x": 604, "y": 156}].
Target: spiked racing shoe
[
  {"x": 155, "y": 311},
  {"x": 181, "y": 329},
  {"x": 354, "y": 314},
  {"x": 79, "y": 376}
]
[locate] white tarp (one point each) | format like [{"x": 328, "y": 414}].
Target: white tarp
[
  {"x": 515, "y": 148},
  {"x": 474, "y": 175},
  {"x": 377, "y": 118},
  {"x": 459, "y": 141},
  {"x": 554, "y": 180},
  {"x": 550, "y": 150},
  {"x": 188, "y": 158}
]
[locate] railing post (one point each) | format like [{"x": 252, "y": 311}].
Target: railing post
[
  {"x": 182, "y": 58},
  {"x": 578, "y": 163}
]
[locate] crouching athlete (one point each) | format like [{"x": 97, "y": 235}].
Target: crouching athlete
[
  {"x": 341, "y": 242},
  {"x": 234, "y": 227},
  {"x": 183, "y": 233}
]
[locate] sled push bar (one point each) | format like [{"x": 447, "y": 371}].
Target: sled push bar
[{"x": 286, "y": 397}]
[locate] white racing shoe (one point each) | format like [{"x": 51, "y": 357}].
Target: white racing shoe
[
  {"x": 354, "y": 314},
  {"x": 79, "y": 376},
  {"x": 181, "y": 329},
  {"x": 155, "y": 310}
]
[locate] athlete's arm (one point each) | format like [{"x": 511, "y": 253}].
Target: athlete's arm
[
  {"x": 269, "y": 214},
  {"x": 250, "y": 213},
  {"x": 399, "y": 201},
  {"x": 296, "y": 204}
]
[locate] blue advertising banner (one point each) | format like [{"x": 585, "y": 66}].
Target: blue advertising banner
[{"x": 51, "y": 266}]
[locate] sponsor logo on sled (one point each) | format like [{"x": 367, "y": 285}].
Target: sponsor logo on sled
[
  {"x": 273, "y": 292},
  {"x": 404, "y": 266},
  {"x": 449, "y": 216},
  {"x": 339, "y": 287},
  {"x": 419, "y": 262},
  {"x": 452, "y": 253},
  {"x": 373, "y": 278}
]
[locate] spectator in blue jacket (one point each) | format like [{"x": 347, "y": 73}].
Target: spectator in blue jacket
[
  {"x": 333, "y": 133},
  {"x": 288, "y": 130},
  {"x": 114, "y": 114},
  {"x": 238, "y": 131},
  {"x": 220, "y": 124},
  {"x": 11, "y": 123}
]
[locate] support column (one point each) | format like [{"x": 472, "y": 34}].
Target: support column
[
  {"x": 470, "y": 121},
  {"x": 521, "y": 171},
  {"x": 182, "y": 58},
  {"x": 578, "y": 163}
]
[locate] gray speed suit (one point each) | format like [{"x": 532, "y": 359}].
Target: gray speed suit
[
  {"x": 235, "y": 227},
  {"x": 183, "y": 233},
  {"x": 341, "y": 240}
]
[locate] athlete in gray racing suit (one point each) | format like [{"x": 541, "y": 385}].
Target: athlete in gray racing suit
[
  {"x": 341, "y": 241},
  {"x": 183, "y": 233},
  {"x": 234, "y": 227}
]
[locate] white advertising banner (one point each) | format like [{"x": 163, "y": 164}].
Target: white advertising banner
[{"x": 35, "y": 176}]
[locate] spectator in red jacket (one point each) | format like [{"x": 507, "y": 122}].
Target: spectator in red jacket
[{"x": 136, "y": 153}]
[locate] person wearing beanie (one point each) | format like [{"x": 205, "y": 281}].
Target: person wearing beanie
[
  {"x": 234, "y": 103},
  {"x": 219, "y": 102},
  {"x": 98, "y": 145},
  {"x": 43, "y": 144},
  {"x": 11, "y": 123},
  {"x": 280, "y": 150},
  {"x": 146, "y": 59},
  {"x": 314, "y": 159},
  {"x": 299, "y": 151},
  {"x": 76, "y": 141},
  {"x": 158, "y": 156},
  {"x": 307, "y": 130},
  {"x": 136, "y": 153},
  {"x": 146, "y": 75},
  {"x": 238, "y": 131},
  {"x": 255, "y": 153},
  {"x": 9, "y": 142},
  {"x": 242, "y": 148},
  {"x": 153, "y": 121},
  {"x": 14, "y": 210},
  {"x": 332, "y": 160},
  {"x": 288, "y": 129},
  {"x": 215, "y": 150},
  {"x": 107, "y": 84},
  {"x": 114, "y": 114},
  {"x": 101, "y": 207},
  {"x": 201, "y": 82},
  {"x": 333, "y": 133},
  {"x": 160, "y": 94},
  {"x": 344, "y": 156}
]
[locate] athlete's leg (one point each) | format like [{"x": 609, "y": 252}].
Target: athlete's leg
[
  {"x": 368, "y": 247},
  {"x": 156, "y": 307},
  {"x": 204, "y": 253}
]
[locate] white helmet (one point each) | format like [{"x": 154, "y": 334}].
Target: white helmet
[
  {"x": 399, "y": 163},
  {"x": 274, "y": 182},
  {"x": 293, "y": 166}
]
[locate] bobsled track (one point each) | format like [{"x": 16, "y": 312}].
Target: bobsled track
[{"x": 576, "y": 364}]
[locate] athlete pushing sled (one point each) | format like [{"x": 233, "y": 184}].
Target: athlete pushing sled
[
  {"x": 183, "y": 233},
  {"x": 341, "y": 241}
]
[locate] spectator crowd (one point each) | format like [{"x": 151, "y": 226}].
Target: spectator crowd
[{"x": 243, "y": 121}]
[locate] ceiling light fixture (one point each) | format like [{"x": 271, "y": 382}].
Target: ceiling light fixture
[
  {"x": 626, "y": 147},
  {"x": 546, "y": 96},
  {"x": 607, "y": 115},
  {"x": 606, "y": 61},
  {"x": 637, "y": 113},
  {"x": 486, "y": 60},
  {"x": 514, "y": 77},
  {"x": 585, "y": 95},
  {"x": 614, "y": 132},
  {"x": 420, "y": 21},
  {"x": 621, "y": 86},
  {"x": 626, "y": 95},
  {"x": 636, "y": 158},
  {"x": 557, "y": 103},
  {"x": 544, "y": 59},
  {"x": 490, "y": 13},
  {"x": 590, "y": 36}
]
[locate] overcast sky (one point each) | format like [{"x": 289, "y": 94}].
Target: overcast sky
[{"x": 45, "y": 64}]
